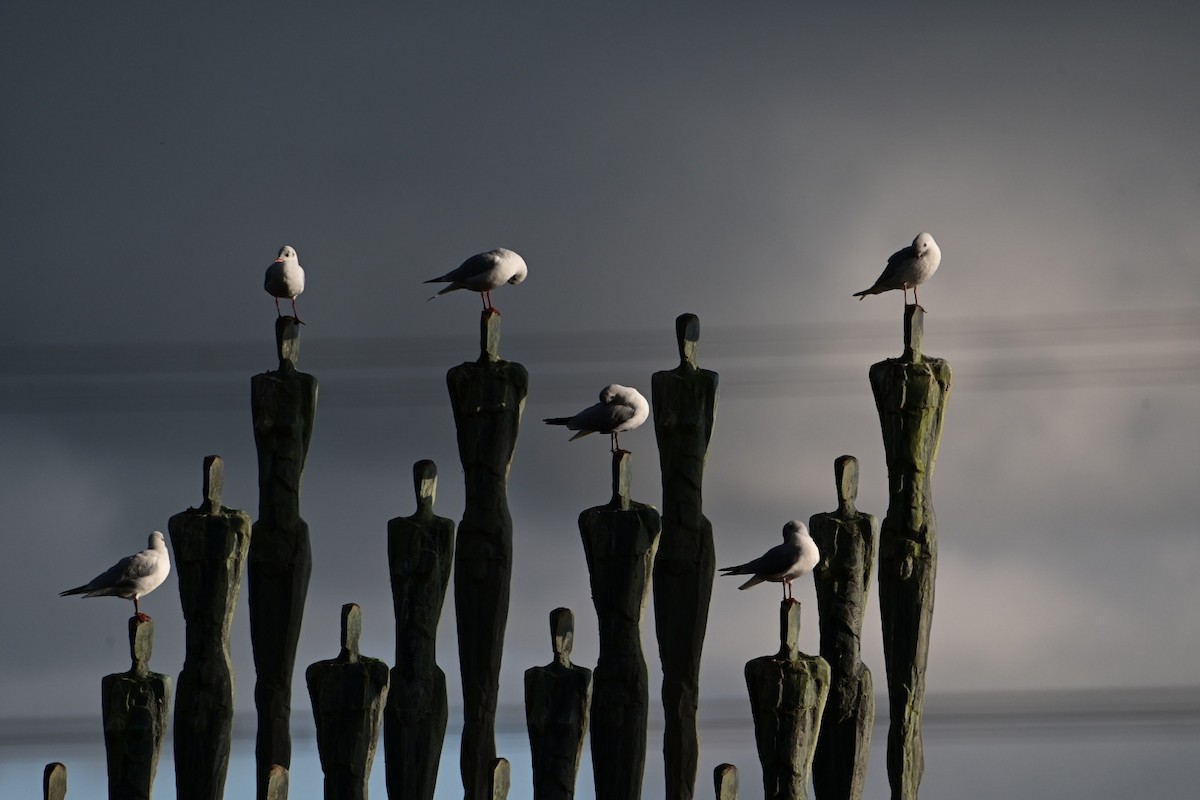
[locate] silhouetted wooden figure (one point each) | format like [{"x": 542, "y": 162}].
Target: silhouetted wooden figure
[
  {"x": 787, "y": 698},
  {"x": 499, "y": 779},
  {"x": 420, "y": 554},
  {"x": 488, "y": 397},
  {"x": 685, "y": 407},
  {"x": 135, "y": 708},
  {"x": 348, "y": 694},
  {"x": 846, "y": 539},
  {"x": 283, "y": 403},
  {"x": 725, "y": 782},
  {"x": 911, "y": 394},
  {"x": 54, "y": 781},
  {"x": 210, "y": 544},
  {"x": 620, "y": 540},
  {"x": 557, "y": 697}
]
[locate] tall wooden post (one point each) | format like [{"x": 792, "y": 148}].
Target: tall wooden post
[
  {"x": 846, "y": 539},
  {"x": 620, "y": 540},
  {"x": 488, "y": 397},
  {"x": 557, "y": 698},
  {"x": 210, "y": 544},
  {"x": 725, "y": 782},
  {"x": 420, "y": 553},
  {"x": 911, "y": 394},
  {"x": 787, "y": 698},
  {"x": 284, "y": 404},
  {"x": 348, "y": 694},
  {"x": 685, "y": 408},
  {"x": 135, "y": 708}
]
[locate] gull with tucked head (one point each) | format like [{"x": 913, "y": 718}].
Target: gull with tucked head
[
  {"x": 483, "y": 272},
  {"x": 621, "y": 408}
]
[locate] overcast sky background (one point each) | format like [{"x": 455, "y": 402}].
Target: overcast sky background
[{"x": 754, "y": 165}]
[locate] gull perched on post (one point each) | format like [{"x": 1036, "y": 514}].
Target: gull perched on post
[
  {"x": 483, "y": 272},
  {"x": 132, "y": 577},
  {"x": 285, "y": 279},
  {"x": 621, "y": 408},
  {"x": 908, "y": 268},
  {"x": 783, "y": 563}
]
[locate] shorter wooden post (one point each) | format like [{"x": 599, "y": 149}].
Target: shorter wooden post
[
  {"x": 277, "y": 782},
  {"x": 787, "y": 698},
  {"x": 725, "y": 782},
  {"x": 54, "y": 782},
  {"x": 556, "y": 712},
  {"x": 501, "y": 779},
  {"x": 348, "y": 694},
  {"x": 135, "y": 708}
]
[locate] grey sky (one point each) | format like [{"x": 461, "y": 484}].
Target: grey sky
[{"x": 754, "y": 166}]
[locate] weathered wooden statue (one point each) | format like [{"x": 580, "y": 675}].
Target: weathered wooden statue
[
  {"x": 210, "y": 544},
  {"x": 685, "y": 408},
  {"x": 911, "y": 394},
  {"x": 420, "y": 554},
  {"x": 557, "y": 698},
  {"x": 135, "y": 708},
  {"x": 348, "y": 694},
  {"x": 787, "y": 699},
  {"x": 284, "y": 404},
  {"x": 620, "y": 540},
  {"x": 488, "y": 396},
  {"x": 846, "y": 539}
]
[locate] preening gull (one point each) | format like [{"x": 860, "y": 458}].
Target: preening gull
[
  {"x": 483, "y": 272},
  {"x": 132, "y": 577},
  {"x": 621, "y": 408},
  {"x": 285, "y": 279},
  {"x": 908, "y": 268},
  {"x": 783, "y": 563}
]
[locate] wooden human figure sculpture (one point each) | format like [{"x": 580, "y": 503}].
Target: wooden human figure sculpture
[
  {"x": 348, "y": 694},
  {"x": 685, "y": 407},
  {"x": 557, "y": 698},
  {"x": 488, "y": 397},
  {"x": 283, "y": 404},
  {"x": 420, "y": 553},
  {"x": 135, "y": 709},
  {"x": 619, "y": 540},
  {"x": 846, "y": 539},
  {"x": 210, "y": 544},
  {"x": 787, "y": 699},
  {"x": 911, "y": 394}
]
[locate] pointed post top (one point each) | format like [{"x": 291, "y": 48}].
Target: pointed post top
[
  {"x": 725, "y": 782},
  {"x": 622, "y": 476},
  {"x": 562, "y": 634},
  {"x": 489, "y": 336},
  {"x": 425, "y": 484},
  {"x": 914, "y": 333},
  {"x": 789, "y": 630},
  {"x": 141, "y": 644},
  {"x": 214, "y": 484},
  {"x": 501, "y": 779},
  {"x": 287, "y": 342},
  {"x": 351, "y": 630},
  {"x": 54, "y": 781},
  {"x": 687, "y": 334},
  {"x": 845, "y": 472},
  {"x": 277, "y": 783}
]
